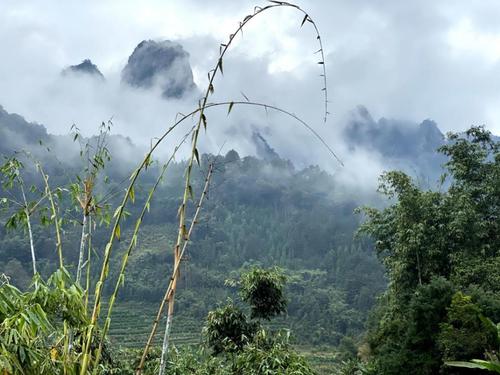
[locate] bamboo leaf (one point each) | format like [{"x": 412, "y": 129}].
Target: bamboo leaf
[
  {"x": 230, "y": 107},
  {"x": 197, "y": 156},
  {"x": 117, "y": 211},
  {"x": 204, "y": 120},
  {"x": 131, "y": 194},
  {"x": 220, "y": 66},
  {"x": 117, "y": 232},
  {"x": 190, "y": 191},
  {"x": 304, "y": 20}
]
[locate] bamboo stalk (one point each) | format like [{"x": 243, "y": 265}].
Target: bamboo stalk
[
  {"x": 54, "y": 214},
  {"x": 119, "y": 213},
  {"x": 28, "y": 224},
  {"x": 132, "y": 244},
  {"x": 168, "y": 297},
  {"x": 82, "y": 249},
  {"x": 194, "y": 151},
  {"x": 87, "y": 285}
]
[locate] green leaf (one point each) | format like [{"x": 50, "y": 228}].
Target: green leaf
[
  {"x": 230, "y": 108},
  {"x": 117, "y": 232},
  {"x": 131, "y": 194},
  {"x": 117, "y": 211}
]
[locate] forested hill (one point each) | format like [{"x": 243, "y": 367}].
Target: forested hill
[
  {"x": 257, "y": 212},
  {"x": 265, "y": 212}
]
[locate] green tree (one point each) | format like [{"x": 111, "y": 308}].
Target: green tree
[{"x": 434, "y": 243}]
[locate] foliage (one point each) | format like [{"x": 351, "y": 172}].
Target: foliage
[
  {"x": 465, "y": 333},
  {"x": 263, "y": 290},
  {"x": 492, "y": 363},
  {"x": 35, "y": 325},
  {"x": 249, "y": 348},
  {"x": 436, "y": 244},
  {"x": 228, "y": 330}
]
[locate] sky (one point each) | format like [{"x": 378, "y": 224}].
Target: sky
[{"x": 408, "y": 60}]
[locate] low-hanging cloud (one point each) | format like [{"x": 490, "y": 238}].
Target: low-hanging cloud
[{"x": 409, "y": 61}]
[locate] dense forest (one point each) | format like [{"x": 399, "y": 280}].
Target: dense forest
[{"x": 412, "y": 283}]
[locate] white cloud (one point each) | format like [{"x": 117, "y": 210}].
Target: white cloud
[{"x": 408, "y": 60}]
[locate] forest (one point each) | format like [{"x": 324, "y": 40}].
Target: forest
[{"x": 221, "y": 263}]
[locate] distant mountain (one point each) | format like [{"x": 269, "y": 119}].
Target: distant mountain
[
  {"x": 162, "y": 64},
  {"x": 404, "y": 145},
  {"x": 16, "y": 133},
  {"x": 264, "y": 151},
  {"x": 58, "y": 152},
  {"x": 86, "y": 67}
]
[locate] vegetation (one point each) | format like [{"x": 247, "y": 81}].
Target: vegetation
[
  {"x": 440, "y": 249},
  {"x": 84, "y": 343}
]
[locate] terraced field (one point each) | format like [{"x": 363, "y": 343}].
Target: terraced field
[{"x": 132, "y": 322}]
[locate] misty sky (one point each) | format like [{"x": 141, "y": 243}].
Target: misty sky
[{"x": 410, "y": 60}]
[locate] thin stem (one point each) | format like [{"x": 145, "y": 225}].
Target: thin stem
[
  {"x": 82, "y": 249},
  {"x": 28, "y": 224},
  {"x": 132, "y": 244},
  {"x": 54, "y": 214},
  {"x": 119, "y": 213},
  {"x": 87, "y": 285},
  {"x": 173, "y": 279}
]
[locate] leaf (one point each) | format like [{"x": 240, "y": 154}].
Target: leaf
[
  {"x": 117, "y": 232},
  {"x": 204, "y": 120},
  {"x": 321, "y": 62},
  {"x": 117, "y": 211},
  {"x": 230, "y": 107},
  {"x": 131, "y": 194},
  {"x": 197, "y": 156},
  {"x": 220, "y": 66},
  {"x": 464, "y": 364},
  {"x": 190, "y": 191},
  {"x": 304, "y": 20},
  {"x": 211, "y": 88}
]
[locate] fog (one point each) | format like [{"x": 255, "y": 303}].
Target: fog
[{"x": 410, "y": 62}]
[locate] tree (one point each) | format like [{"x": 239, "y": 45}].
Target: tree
[{"x": 434, "y": 243}]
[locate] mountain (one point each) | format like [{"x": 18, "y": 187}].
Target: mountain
[
  {"x": 403, "y": 145},
  {"x": 86, "y": 67},
  {"x": 162, "y": 64},
  {"x": 61, "y": 153}
]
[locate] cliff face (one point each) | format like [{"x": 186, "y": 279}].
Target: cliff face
[{"x": 163, "y": 64}]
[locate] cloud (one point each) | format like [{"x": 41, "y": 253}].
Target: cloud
[{"x": 411, "y": 61}]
